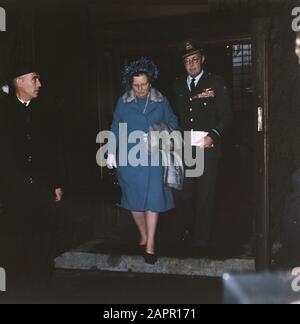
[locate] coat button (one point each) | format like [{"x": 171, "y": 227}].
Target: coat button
[
  {"x": 28, "y": 136},
  {"x": 191, "y": 99},
  {"x": 192, "y": 119},
  {"x": 205, "y": 104},
  {"x": 31, "y": 180},
  {"x": 191, "y": 109},
  {"x": 29, "y": 158}
]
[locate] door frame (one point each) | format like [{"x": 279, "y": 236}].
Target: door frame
[
  {"x": 259, "y": 39},
  {"x": 260, "y": 31}
]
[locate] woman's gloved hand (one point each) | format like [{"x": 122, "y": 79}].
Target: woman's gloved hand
[{"x": 111, "y": 161}]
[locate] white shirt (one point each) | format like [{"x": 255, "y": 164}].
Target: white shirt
[
  {"x": 197, "y": 79},
  {"x": 25, "y": 103}
]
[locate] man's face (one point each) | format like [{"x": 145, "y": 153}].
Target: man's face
[
  {"x": 194, "y": 64},
  {"x": 29, "y": 85}
]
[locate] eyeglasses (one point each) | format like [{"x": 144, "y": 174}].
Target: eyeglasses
[
  {"x": 140, "y": 86},
  {"x": 192, "y": 61}
]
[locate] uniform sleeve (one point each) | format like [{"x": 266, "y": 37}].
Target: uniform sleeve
[{"x": 224, "y": 112}]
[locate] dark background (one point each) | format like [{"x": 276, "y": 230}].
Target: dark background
[{"x": 81, "y": 47}]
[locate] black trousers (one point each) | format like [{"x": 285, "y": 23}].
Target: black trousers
[{"x": 195, "y": 204}]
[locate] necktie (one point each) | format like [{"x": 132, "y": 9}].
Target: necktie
[{"x": 193, "y": 86}]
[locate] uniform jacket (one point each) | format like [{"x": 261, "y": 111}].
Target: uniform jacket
[{"x": 211, "y": 115}]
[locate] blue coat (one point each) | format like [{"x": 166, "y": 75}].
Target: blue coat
[{"x": 143, "y": 188}]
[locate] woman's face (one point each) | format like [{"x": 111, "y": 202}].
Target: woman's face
[{"x": 141, "y": 86}]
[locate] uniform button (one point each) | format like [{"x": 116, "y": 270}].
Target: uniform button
[
  {"x": 191, "y": 99},
  {"x": 29, "y": 158},
  {"x": 191, "y": 109},
  {"x": 31, "y": 180},
  {"x": 192, "y": 119},
  {"x": 205, "y": 104}
]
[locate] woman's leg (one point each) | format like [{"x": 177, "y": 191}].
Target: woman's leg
[
  {"x": 151, "y": 220},
  {"x": 140, "y": 220}
]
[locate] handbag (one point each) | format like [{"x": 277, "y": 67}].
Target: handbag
[{"x": 111, "y": 189}]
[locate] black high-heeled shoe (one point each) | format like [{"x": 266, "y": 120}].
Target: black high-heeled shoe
[{"x": 150, "y": 258}]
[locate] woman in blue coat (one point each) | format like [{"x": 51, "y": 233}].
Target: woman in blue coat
[{"x": 143, "y": 190}]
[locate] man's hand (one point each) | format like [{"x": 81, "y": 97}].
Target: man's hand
[
  {"x": 59, "y": 194},
  {"x": 208, "y": 142}
]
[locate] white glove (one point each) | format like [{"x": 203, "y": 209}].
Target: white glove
[{"x": 111, "y": 161}]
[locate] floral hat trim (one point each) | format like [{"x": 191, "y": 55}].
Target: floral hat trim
[{"x": 143, "y": 65}]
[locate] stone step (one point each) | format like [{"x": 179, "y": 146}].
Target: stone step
[{"x": 77, "y": 260}]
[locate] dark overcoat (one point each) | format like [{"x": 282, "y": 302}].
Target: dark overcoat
[{"x": 31, "y": 164}]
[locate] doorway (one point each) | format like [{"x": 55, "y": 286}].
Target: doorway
[
  {"x": 234, "y": 204},
  {"x": 229, "y": 54}
]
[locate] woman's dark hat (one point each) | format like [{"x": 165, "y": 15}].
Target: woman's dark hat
[
  {"x": 191, "y": 48},
  {"x": 143, "y": 65}
]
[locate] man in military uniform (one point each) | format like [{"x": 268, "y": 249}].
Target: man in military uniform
[
  {"x": 202, "y": 104},
  {"x": 31, "y": 180}
]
